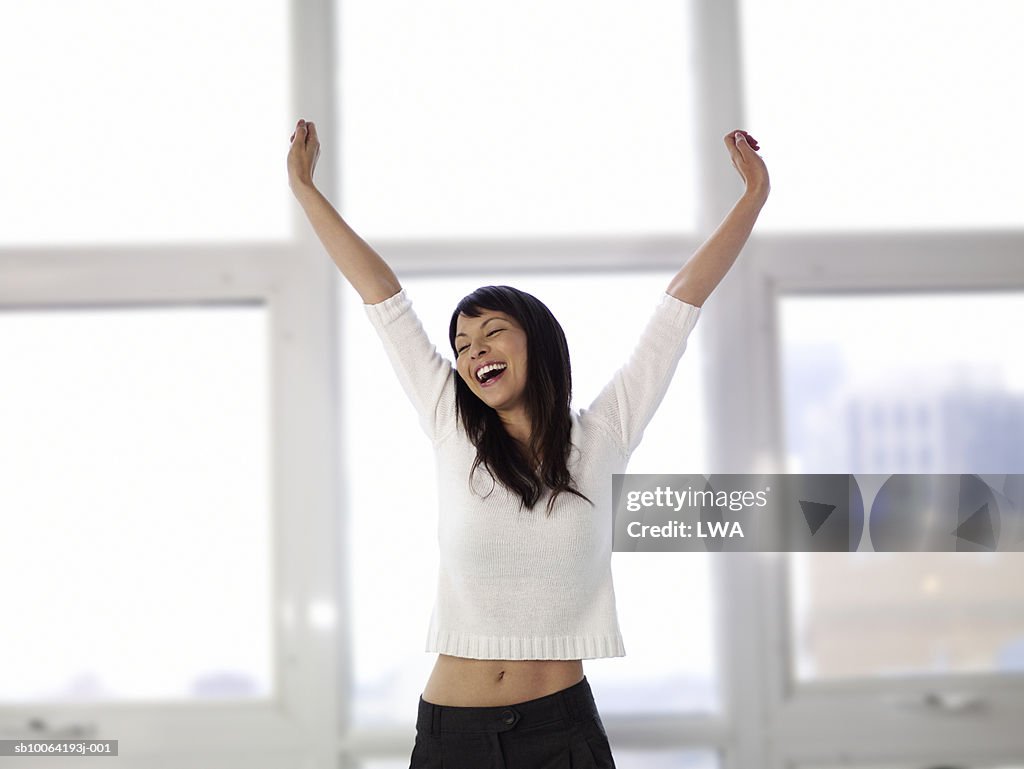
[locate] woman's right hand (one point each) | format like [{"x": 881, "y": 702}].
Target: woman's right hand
[{"x": 303, "y": 154}]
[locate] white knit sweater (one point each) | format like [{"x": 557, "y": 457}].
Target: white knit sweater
[{"x": 516, "y": 584}]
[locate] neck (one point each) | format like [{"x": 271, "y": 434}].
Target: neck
[{"x": 517, "y": 424}]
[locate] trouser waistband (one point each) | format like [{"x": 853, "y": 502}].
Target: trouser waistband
[{"x": 576, "y": 703}]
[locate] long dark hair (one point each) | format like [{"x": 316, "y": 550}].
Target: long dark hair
[{"x": 547, "y": 394}]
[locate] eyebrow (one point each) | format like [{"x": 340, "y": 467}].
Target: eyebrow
[{"x": 461, "y": 333}]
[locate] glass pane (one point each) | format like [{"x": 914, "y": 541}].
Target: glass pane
[
  {"x": 479, "y": 119},
  {"x": 903, "y": 383},
  {"x": 894, "y": 614},
  {"x": 156, "y": 122},
  {"x": 135, "y": 504},
  {"x": 662, "y": 671},
  {"x": 392, "y": 524},
  {"x": 904, "y": 102},
  {"x": 665, "y": 612}
]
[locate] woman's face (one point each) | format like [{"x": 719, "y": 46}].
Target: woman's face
[{"x": 492, "y": 338}]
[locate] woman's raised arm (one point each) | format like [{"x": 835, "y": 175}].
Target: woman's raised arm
[
  {"x": 363, "y": 267},
  {"x": 704, "y": 270}
]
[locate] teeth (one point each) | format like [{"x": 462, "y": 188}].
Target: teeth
[{"x": 489, "y": 367}]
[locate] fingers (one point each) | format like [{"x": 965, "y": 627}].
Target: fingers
[
  {"x": 732, "y": 140},
  {"x": 305, "y": 131}
]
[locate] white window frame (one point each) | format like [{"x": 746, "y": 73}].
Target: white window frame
[{"x": 764, "y": 724}]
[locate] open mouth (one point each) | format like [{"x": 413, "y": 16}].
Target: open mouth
[
  {"x": 492, "y": 378},
  {"x": 489, "y": 375}
]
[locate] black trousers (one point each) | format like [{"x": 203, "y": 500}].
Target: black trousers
[{"x": 558, "y": 731}]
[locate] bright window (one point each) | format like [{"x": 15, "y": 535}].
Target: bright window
[
  {"x": 879, "y": 115},
  {"x": 904, "y": 384},
  {"x": 467, "y": 119},
  {"x": 135, "y": 498},
  {"x": 923, "y": 383},
  {"x": 859, "y": 615},
  {"x": 162, "y": 122}
]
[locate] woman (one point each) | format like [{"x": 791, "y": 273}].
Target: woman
[{"x": 525, "y": 590}]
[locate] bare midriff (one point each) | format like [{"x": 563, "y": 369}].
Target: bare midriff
[{"x": 470, "y": 683}]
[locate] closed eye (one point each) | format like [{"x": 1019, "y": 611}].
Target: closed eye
[{"x": 466, "y": 347}]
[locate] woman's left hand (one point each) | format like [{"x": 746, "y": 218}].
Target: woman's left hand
[{"x": 743, "y": 149}]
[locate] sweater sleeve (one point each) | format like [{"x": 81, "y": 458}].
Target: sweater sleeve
[
  {"x": 628, "y": 402},
  {"x": 425, "y": 375}
]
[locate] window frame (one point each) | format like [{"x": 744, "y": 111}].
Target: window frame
[{"x": 764, "y": 722}]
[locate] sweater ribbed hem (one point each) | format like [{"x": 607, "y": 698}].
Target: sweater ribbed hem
[
  {"x": 678, "y": 313},
  {"x": 565, "y": 647},
  {"x": 388, "y": 310}
]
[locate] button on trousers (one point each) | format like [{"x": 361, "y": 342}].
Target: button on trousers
[{"x": 558, "y": 731}]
